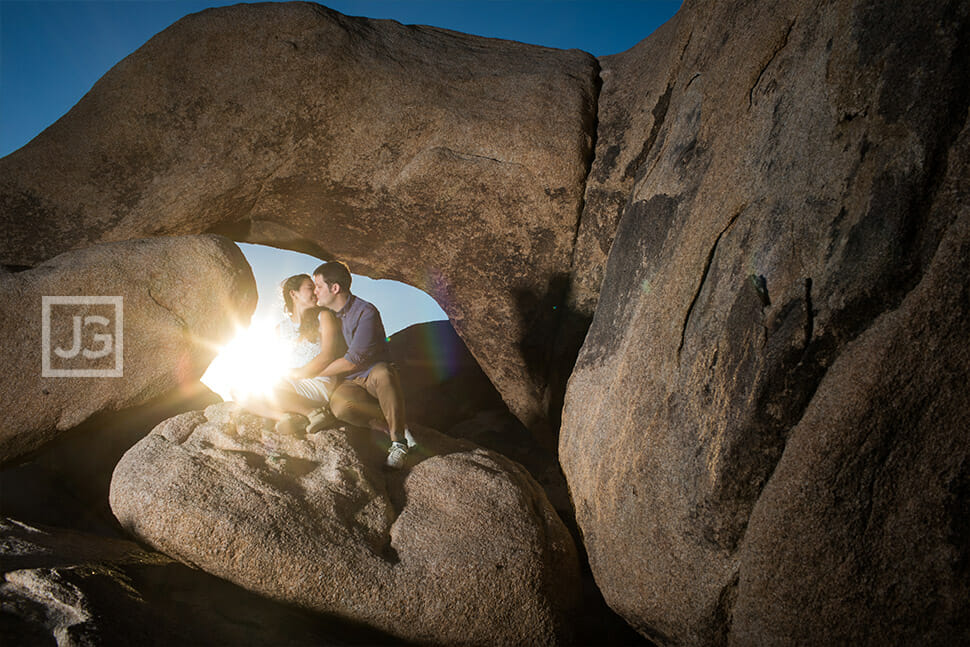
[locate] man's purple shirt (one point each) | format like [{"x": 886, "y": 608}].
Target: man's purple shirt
[{"x": 364, "y": 334}]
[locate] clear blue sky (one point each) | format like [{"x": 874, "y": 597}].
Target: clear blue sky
[{"x": 52, "y": 52}]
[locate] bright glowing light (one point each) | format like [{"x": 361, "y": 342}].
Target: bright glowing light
[{"x": 249, "y": 365}]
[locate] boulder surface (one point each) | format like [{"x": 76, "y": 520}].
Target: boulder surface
[
  {"x": 443, "y": 384},
  {"x": 173, "y": 301},
  {"x": 462, "y": 548},
  {"x": 450, "y": 162},
  {"x": 52, "y": 582},
  {"x": 765, "y": 414},
  {"x": 69, "y": 588}
]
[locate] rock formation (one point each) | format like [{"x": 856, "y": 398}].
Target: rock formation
[
  {"x": 463, "y": 548},
  {"x": 764, "y": 434},
  {"x": 450, "y": 162},
  {"x": 443, "y": 384},
  {"x": 70, "y": 588},
  {"x": 179, "y": 298},
  {"x": 48, "y": 581}
]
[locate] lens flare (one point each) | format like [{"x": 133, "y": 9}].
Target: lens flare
[
  {"x": 250, "y": 365},
  {"x": 445, "y": 348}
]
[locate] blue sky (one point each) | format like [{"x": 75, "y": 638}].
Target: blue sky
[{"x": 52, "y": 52}]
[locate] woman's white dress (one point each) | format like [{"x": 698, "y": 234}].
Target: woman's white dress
[{"x": 299, "y": 353}]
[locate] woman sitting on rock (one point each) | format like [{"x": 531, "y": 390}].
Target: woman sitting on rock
[{"x": 313, "y": 339}]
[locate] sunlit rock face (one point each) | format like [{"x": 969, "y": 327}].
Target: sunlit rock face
[
  {"x": 765, "y": 433},
  {"x": 173, "y": 300},
  {"x": 450, "y": 162},
  {"x": 463, "y": 548}
]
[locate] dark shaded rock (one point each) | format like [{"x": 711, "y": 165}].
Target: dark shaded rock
[
  {"x": 862, "y": 535},
  {"x": 796, "y": 190},
  {"x": 175, "y": 300},
  {"x": 626, "y": 131},
  {"x": 446, "y": 389},
  {"x": 62, "y": 587},
  {"x": 65, "y": 483},
  {"x": 450, "y": 162},
  {"x": 498, "y": 430},
  {"x": 443, "y": 384}
]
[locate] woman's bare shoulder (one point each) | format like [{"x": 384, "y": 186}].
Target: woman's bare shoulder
[{"x": 328, "y": 318}]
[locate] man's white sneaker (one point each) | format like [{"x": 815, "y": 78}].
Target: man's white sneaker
[
  {"x": 409, "y": 438},
  {"x": 397, "y": 455}
]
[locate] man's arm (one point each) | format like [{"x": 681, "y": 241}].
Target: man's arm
[
  {"x": 339, "y": 366},
  {"x": 363, "y": 348}
]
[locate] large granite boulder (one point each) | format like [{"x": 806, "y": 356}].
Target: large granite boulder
[
  {"x": 462, "y": 548},
  {"x": 170, "y": 301},
  {"x": 443, "y": 384},
  {"x": 862, "y": 535},
  {"x": 450, "y": 162},
  {"x": 763, "y": 435}
]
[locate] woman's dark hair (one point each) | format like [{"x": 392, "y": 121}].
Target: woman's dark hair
[
  {"x": 309, "y": 321},
  {"x": 310, "y": 324},
  {"x": 292, "y": 284}
]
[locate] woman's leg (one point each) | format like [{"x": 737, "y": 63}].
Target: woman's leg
[
  {"x": 284, "y": 400},
  {"x": 290, "y": 401}
]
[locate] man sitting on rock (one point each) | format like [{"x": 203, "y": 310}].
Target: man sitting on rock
[{"x": 369, "y": 393}]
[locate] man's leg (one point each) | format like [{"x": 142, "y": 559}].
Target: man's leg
[
  {"x": 351, "y": 403},
  {"x": 383, "y": 383}
]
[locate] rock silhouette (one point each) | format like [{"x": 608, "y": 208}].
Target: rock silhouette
[{"x": 443, "y": 384}]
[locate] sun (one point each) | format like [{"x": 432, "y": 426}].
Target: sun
[{"x": 250, "y": 365}]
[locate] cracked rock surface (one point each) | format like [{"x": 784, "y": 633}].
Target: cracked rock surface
[
  {"x": 766, "y": 366},
  {"x": 55, "y": 583},
  {"x": 74, "y": 589},
  {"x": 463, "y": 547}
]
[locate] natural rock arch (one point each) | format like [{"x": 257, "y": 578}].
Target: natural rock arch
[
  {"x": 775, "y": 379},
  {"x": 449, "y": 162}
]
